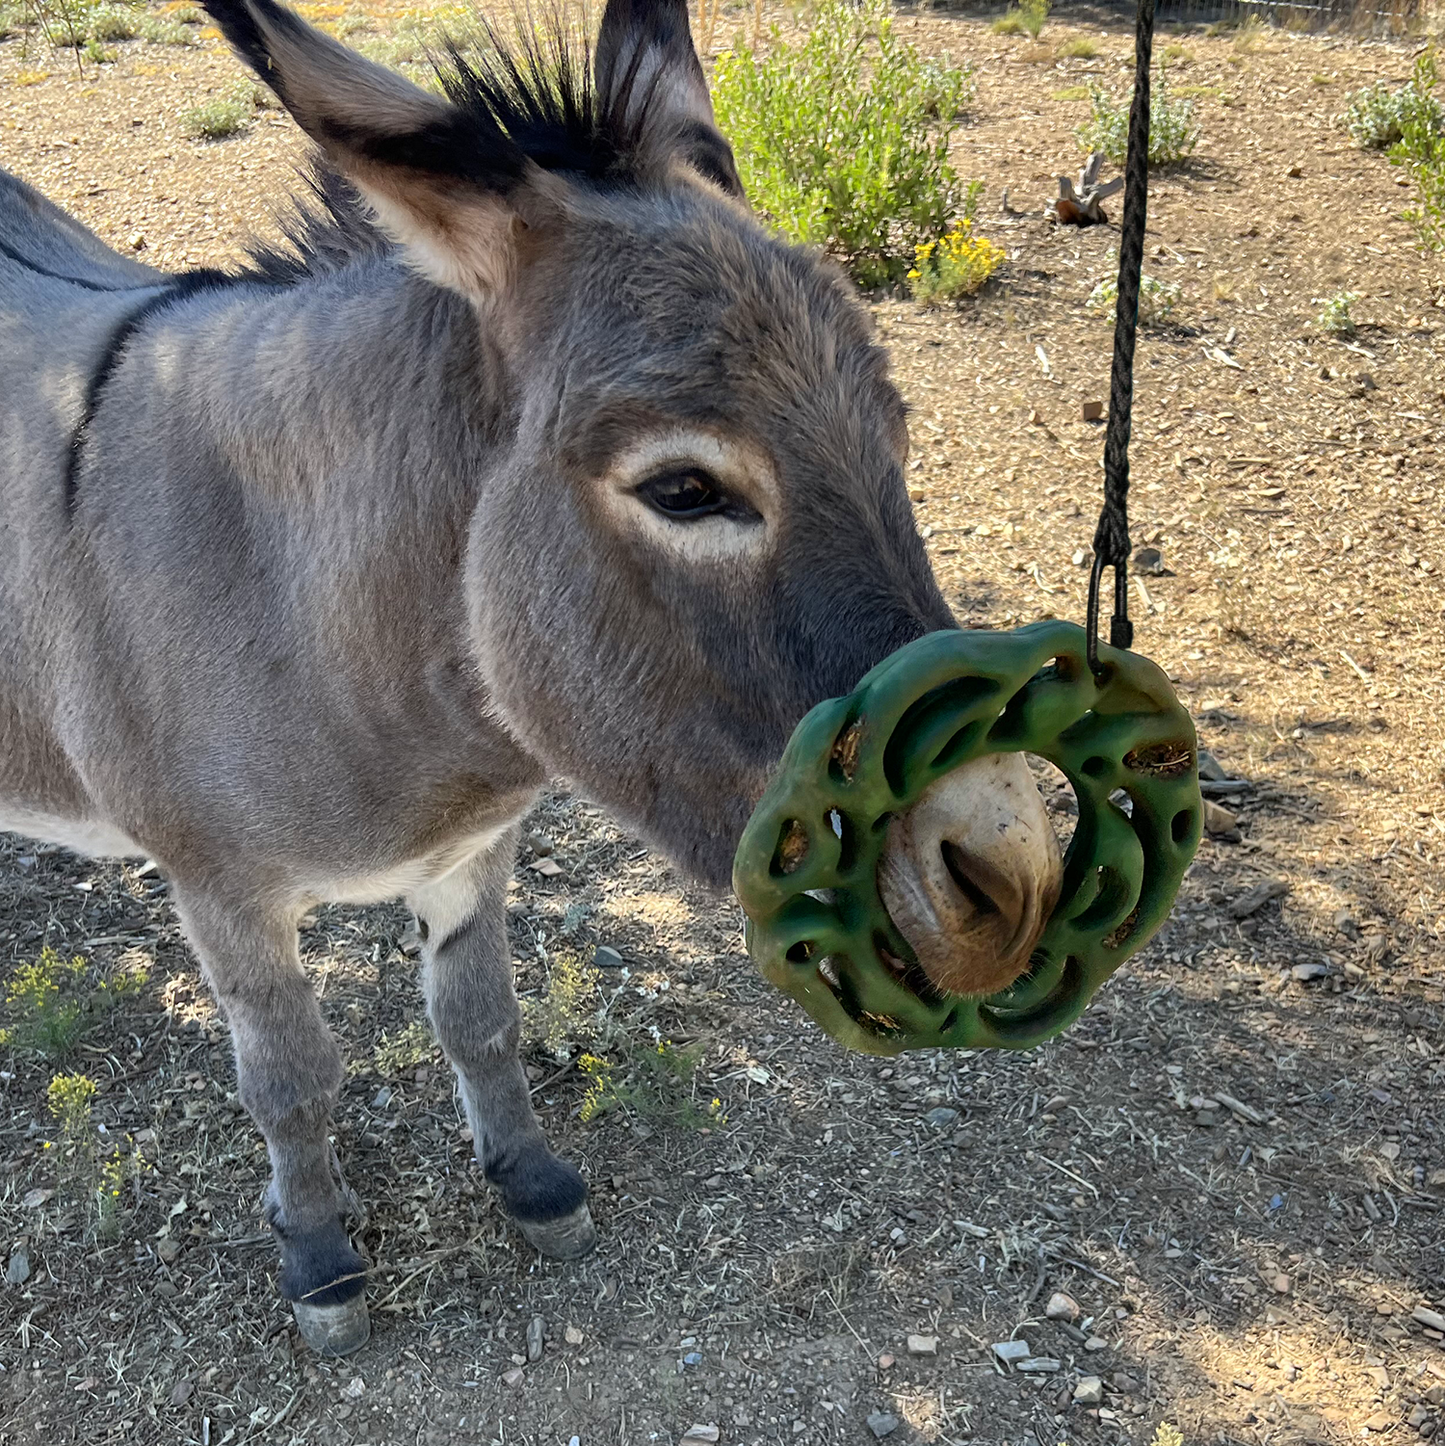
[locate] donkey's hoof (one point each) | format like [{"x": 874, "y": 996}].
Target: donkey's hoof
[
  {"x": 333, "y": 1330},
  {"x": 568, "y": 1237}
]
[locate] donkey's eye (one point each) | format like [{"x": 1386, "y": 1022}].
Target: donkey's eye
[{"x": 685, "y": 494}]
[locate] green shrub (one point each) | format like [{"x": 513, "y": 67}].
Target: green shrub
[
  {"x": 1421, "y": 151},
  {"x": 221, "y": 116},
  {"x": 1009, "y": 23},
  {"x": 565, "y": 1016},
  {"x": 112, "y": 22},
  {"x": 51, "y": 1003},
  {"x": 1334, "y": 318},
  {"x": 1172, "y": 132},
  {"x": 651, "y": 1084},
  {"x": 955, "y": 266},
  {"x": 165, "y": 30},
  {"x": 1025, "y": 17},
  {"x": 1080, "y": 48},
  {"x": 1157, "y": 299},
  {"x": 404, "y": 1050},
  {"x": 1377, "y": 116},
  {"x": 843, "y": 139}
]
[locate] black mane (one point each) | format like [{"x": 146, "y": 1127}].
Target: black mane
[{"x": 531, "y": 100}]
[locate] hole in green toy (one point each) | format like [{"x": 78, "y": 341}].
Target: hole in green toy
[
  {"x": 884, "y": 1026},
  {"x": 843, "y": 760},
  {"x": 1125, "y": 927},
  {"x": 957, "y": 696},
  {"x": 1013, "y": 721},
  {"x": 847, "y": 843},
  {"x": 1060, "y": 801},
  {"x": 1170, "y": 759},
  {"x": 1096, "y": 767},
  {"x": 1182, "y": 825},
  {"x": 792, "y": 849},
  {"x": 800, "y": 952},
  {"x": 1112, "y": 896}
]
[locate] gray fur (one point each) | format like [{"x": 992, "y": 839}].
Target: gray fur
[{"x": 338, "y": 587}]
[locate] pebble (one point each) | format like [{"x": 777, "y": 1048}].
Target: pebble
[
  {"x": 354, "y": 1389},
  {"x": 1088, "y": 1391},
  {"x": 1062, "y": 1307},
  {"x": 1281, "y": 1283},
  {"x": 1253, "y": 900},
  {"x": 1040, "y": 1365},
  {"x": 1219, "y": 821},
  {"x": 1080, "y": 558},
  {"x": 883, "y": 1423},
  {"x": 697, "y": 1434},
  {"x": 1306, "y": 972},
  {"x": 1011, "y": 1352},
  {"x": 514, "y": 1377},
  {"x": 942, "y": 1117},
  {"x": 17, "y": 1272},
  {"x": 1091, "y": 412},
  {"x": 1419, "y": 1416},
  {"x": 540, "y": 844},
  {"x": 181, "y": 1393},
  {"x": 922, "y": 1345},
  {"x": 536, "y": 1333},
  {"x": 1430, "y": 1319},
  {"x": 573, "y": 1336},
  {"x": 1380, "y": 1421},
  {"x": 168, "y": 1250},
  {"x": 885, "y": 1361},
  {"x": 1096, "y": 1343},
  {"x": 606, "y": 957},
  {"x": 1148, "y": 560},
  {"x": 1210, "y": 769},
  {"x": 547, "y": 867}
]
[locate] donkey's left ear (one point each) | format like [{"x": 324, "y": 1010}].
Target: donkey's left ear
[{"x": 648, "y": 74}]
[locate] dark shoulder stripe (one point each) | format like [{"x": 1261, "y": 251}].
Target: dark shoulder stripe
[{"x": 176, "y": 289}]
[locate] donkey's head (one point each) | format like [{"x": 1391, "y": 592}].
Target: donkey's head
[{"x": 698, "y": 527}]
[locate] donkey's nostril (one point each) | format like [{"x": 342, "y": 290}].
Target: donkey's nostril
[{"x": 962, "y": 870}]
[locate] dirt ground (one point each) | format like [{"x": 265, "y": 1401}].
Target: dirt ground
[{"x": 1233, "y": 1164}]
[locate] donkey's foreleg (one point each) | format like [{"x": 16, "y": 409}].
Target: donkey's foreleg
[
  {"x": 468, "y": 984},
  {"x": 289, "y": 1071}
]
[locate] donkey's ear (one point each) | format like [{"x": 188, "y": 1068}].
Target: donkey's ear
[
  {"x": 443, "y": 184},
  {"x": 648, "y": 75}
]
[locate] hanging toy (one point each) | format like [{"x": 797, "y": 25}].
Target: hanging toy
[{"x": 806, "y": 867}]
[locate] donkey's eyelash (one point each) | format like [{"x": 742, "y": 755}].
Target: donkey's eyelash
[{"x": 687, "y": 493}]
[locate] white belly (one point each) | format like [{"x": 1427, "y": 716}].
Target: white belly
[{"x": 84, "y": 836}]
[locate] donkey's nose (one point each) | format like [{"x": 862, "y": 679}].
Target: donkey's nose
[{"x": 971, "y": 873}]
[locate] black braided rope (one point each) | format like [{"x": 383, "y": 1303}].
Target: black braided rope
[{"x": 1111, "y": 536}]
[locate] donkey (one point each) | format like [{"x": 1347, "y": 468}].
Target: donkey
[{"x": 532, "y": 454}]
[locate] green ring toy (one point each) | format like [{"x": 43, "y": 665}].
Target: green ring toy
[{"x": 817, "y": 926}]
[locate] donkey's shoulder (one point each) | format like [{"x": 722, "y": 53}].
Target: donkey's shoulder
[{"x": 36, "y": 236}]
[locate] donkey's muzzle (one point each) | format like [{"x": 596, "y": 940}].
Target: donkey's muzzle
[{"x": 970, "y": 874}]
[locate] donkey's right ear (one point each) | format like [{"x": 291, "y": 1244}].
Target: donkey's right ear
[{"x": 447, "y": 188}]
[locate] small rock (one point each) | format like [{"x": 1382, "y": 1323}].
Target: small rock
[
  {"x": 1040, "y": 1365},
  {"x": 1295, "y": 172},
  {"x": 34, "y": 1199},
  {"x": 917, "y": 494},
  {"x": 1096, "y": 1343},
  {"x": 883, "y": 1423},
  {"x": 692, "y": 1358},
  {"x": 540, "y": 844},
  {"x": 1418, "y": 1416},
  {"x": 606, "y": 957},
  {"x": 514, "y": 1377},
  {"x": 1252, "y": 901},
  {"x": 922, "y": 1345},
  {"x": 1347, "y": 924},
  {"x": 548, "y": 868},
  {"x": 17, "y": 1272},
  {"x": 1380, "y": 1421},
  {"x": 1281, "y": 1283},
  {"x": 1307, "y": 972},
  {"x": 1088, "y": 1391},
  {"x": 1011, "y": 1352},
  {"x": 1062, "y": 1307},
  {"x": 1123, "y": 1383},
  {"x": 1081, "y": 558},
  {"x": 536, "y": 1333},
  {"x": 1210, "y": 768},
  {"x": 941, "y": 1118},
  {"x": 1430, "y": 1319},
  {"x": 1148, "y": 560},
  {"x": 181, "y": 1393},
  {"x": 886, "y": 1361},
  {"x": 168, "y": 1250},
  {"x": 697, "y": 1435},
  {"x": 1366, "y": 382},
  {"x": 1219, "y": 821},
  {"x": 573, "y": 1336},
  {"x": 138, "y": 241},
  {"x": 354, "y": 1389},
  {"x": 382, "y": 1098},
  {"x": 1091, "y": 412}
]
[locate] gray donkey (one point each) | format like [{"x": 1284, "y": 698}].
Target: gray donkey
[{"x": 532, "y": 455}]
